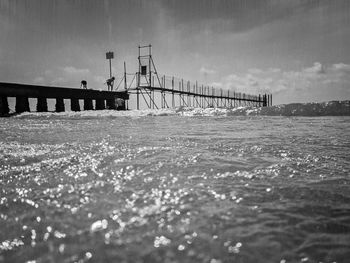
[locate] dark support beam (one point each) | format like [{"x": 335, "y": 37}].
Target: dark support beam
[
  {"x": 88, "y": 104},
  {"x": 41, "y": 105},
  {"x": 100, "y": 104},
  {"x": 22, "y": 92},
  {"x": 111, "y": 104},
  {"x": 4, "y": 106},
  {"x": 35, "y": 91},
  {"x": 22, "y": 104},
  {"x": 74, "y": 105},
  {"x": 59, "y": 107}
]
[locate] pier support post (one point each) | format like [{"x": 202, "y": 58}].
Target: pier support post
[
  {"x": 22, "y": 104},
  {"x": 88, "y": 104},
  {"x": 4, "y": 106},
  {"x": 100, "y": 104},
  {"x": 41, "y": 105},
  {"x": 59, "y": 107},
  {"x": 74, "y": 105},
  {"x": 111, "y": 104}
]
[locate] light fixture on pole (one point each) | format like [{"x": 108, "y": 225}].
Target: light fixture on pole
[{"x": 110, "y": 56}]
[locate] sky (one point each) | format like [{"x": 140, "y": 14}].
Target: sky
[{"x": 297, "y": 50}]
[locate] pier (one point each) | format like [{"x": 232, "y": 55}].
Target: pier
[
  {"x": 170, "y": 91},
  {"x": 92, "y": 99}
]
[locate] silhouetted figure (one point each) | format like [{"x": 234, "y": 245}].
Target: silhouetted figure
[
  {"x": 110, "y": 83},
  {"x": 83, "y": 84}
]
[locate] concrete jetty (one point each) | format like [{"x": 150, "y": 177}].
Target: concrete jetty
[{"x": 22, "y": 92}]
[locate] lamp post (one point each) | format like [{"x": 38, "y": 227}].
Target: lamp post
[{"x": 110, "y": 56}]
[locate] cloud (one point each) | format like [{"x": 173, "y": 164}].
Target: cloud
[
  {"x": 317, "y": 68},
  {"x": 274, "y": 80},
  {"x": 341, "y": 67},
  {"x": 233, "y": 16},
  {"x": 99, "y": 79},
  {"x": 75, "y": 71},
  {"x": 39, "y": 80},
  {"x": 254, "y": 82},
  {"x": 58, "y": 81},
  {"x": 275, "y": 70},
  {"x": 62, "y": 76},
  {"x": 255, "y": 71},
  {"x": 217, "y": 85},
  {"x": 206, "y": 71}
]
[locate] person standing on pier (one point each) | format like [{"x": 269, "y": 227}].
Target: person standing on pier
[
  {"x": 83, "y": 84},
  {"x": 110, "y": 83}
]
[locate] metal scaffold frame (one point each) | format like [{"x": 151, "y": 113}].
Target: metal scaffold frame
[{"x": 148, "y": 82}]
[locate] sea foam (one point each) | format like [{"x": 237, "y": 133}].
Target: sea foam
[{"x": 332, "y": 108}]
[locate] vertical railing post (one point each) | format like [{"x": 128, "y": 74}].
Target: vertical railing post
[
  {"x": 180, "y": 103},
  {"x": 173, "y": 97},
  {"x": 195, "y": 91},
  {"x": 138, "y": 85},
  {"x": 182, "y": 89},
  {"x": 228, "y": 98},
  {"x": 212, "y": 97},
  {"x": 161, "y": 93},
  {"x": 202, "y": 98},
  {"x": 222, "y": 104}
]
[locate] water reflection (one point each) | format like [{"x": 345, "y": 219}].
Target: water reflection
[{"x": 214, "y": 194}]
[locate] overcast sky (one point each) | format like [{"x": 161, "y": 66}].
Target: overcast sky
[{"x": 298, "y": 50}]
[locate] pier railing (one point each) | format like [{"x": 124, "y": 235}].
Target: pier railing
[{"x": 173, "y": 92}]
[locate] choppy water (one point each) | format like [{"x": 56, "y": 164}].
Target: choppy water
[{"x": 184, "y": 187}]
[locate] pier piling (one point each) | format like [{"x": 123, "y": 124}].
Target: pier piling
[
  {"x": 22, "y": 104},
  {"x": 74, "y": 105},
  {"x": 100, "y": 104},
  {"x": 59, "y": 107},
  {"x": 111, "y": 104},
  {"x": 88, "y": 104},
  {"x": 4, "y": 106},
  {"x": 41, "y": 105}
]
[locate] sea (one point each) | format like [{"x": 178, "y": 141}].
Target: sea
[{"x": 177, "y": 185}]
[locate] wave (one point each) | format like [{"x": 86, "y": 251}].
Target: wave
[{"x": 331, "y": 108}]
